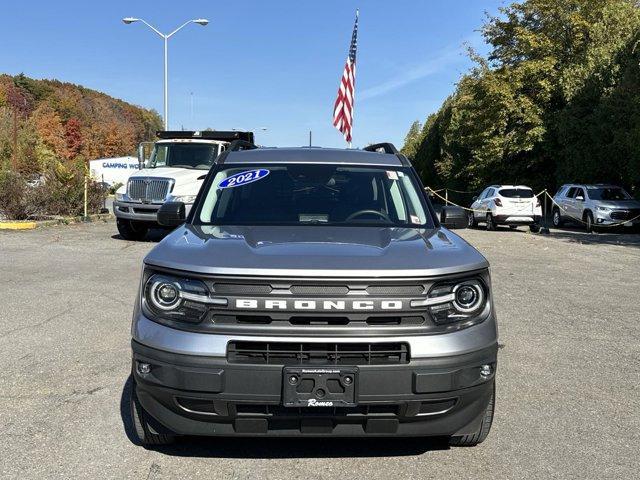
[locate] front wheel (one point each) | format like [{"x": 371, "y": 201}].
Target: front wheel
[
  {"x": 588, "y": 222},
  {"x": 556, "y": 218},
  {"x": 534, "y": 228},
  {"x": 144, "y": 431},
  {"x": 478, "y": 437},
  {"x": 131, "y": 230}
]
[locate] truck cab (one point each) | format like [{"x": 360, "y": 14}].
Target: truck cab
[{"x": 175, "y": 170}]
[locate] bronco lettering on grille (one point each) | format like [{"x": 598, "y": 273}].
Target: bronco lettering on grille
[{"x": 310, "y": 305}]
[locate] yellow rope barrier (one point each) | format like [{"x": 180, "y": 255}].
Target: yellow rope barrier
[{"x": 545, "y": 192}]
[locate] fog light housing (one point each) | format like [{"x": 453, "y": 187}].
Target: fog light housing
[
  {"x": 144, "y": 368},
  {"x": 486, "y": 371}
]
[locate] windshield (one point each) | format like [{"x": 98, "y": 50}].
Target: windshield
[
  {"x": 184, "y": 155},
  {"x": 303, "y": 194},
  {"x": 608, "y": 193},
  {"x": 516, "y": 193}
]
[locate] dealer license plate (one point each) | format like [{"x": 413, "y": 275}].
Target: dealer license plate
[{"x": 319, "y": 386}]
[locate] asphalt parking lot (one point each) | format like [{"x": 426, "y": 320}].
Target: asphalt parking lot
[{"x": 568, "y": 399}]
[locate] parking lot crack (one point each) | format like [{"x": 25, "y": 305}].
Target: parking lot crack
[{"x": 35, "y": 325}]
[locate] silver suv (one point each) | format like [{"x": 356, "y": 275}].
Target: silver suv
[
  {"x": 313, "y": 292},
  {"x": 594, "y": 206}
]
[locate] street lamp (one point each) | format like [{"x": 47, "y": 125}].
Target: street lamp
[{"x": 199, "y": 21}]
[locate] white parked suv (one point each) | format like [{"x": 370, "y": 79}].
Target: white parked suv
[
  {"x": 174, "y": 172},
  {"x": 510, "y": 205}
]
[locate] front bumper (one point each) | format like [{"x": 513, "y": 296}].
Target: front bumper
[
  {"x": 142, "y": 212},
  {"x": 199, "y": 395}
]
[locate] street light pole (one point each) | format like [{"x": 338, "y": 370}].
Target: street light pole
[{"x": 199, "y": 21}]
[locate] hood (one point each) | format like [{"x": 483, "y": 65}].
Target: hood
[
  {"x": 626, "y": 204},
  {"x": 182, "y": 176},
  {"x": 316, "y": 251}
]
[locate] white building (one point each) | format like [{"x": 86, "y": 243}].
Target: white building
[{"x": 113, "y": 170}]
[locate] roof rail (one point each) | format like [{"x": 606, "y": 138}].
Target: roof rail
[
  {"x": 386, "y": 146},
  {"x": 390, "y": 149}
]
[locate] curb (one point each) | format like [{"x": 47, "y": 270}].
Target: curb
[
  {"x": 26, "y": 225},
  {"x": 18, "y": 225}
]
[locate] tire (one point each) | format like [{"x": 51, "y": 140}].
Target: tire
[
  {"x": 131, "y": 230},
  {"x": 478, "y": 437},
  {"x": 145, "y": 433},
  {"x": 588, "y": 220},
  {"x": 556, "y": 218},
  {"x": 491, "y": 226},
  {"x": 534, "y": 228},
  {"x": 471, "y": 220}
]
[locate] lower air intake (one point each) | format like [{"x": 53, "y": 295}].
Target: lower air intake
[{"x": 318, "y": 353}]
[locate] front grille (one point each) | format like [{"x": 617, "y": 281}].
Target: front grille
[
  {"x": 148, "y": 189},
  {"x": 625, "y": 214},
  {"x": 319, "y": 289},
  {"x": 317, "y": 353}
]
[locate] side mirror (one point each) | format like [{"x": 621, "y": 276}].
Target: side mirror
[
  {"x": 474, "y": 198},
  {"x": 141, "y": 155},
  {"x": 453, "y": 217},
  {"x": 171, "y": 214},
  {"x": 580, "y": 198},
  {"x": 143, "y": 147}
]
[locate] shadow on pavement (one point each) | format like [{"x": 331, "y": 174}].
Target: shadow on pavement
[
  {"x": 625, "y": 239},
  {"x": 265, "y": 448},
  {"x": 154, "y": 235}
]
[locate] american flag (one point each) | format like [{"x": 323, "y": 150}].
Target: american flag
[{"x": 343, "y": 108}]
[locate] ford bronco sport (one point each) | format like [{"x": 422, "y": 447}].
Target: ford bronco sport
[{"x": 313, "y": 292}]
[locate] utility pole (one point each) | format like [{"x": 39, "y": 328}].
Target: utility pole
[{"x": 310, "y": 137}]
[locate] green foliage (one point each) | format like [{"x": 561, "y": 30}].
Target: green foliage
[
  {"x": 60, "y": 192},
  {"x": 556, "y": 100}
]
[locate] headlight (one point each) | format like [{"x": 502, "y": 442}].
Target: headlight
[
  {"x": 452, "y": 302},
  {"x": 603, "y": 209},
  {"x": 166, "y": 297},
  {"x": 182, "y": 198},
  {"x": 121, "y": 197}
]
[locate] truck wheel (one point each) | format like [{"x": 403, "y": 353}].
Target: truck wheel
[
  {"x": 556, "y": 218},
  {"x": 490, "y": 223},
  {"x": 145, "y": 433},
  {"x": 474, "y": 439},
  {"x": 534, "y": 228},
  {"x": 130, "y": 230},
  {"x": 472, "y": 223}
]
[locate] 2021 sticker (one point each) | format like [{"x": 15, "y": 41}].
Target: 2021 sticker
[{"x": 243, "y": 178}]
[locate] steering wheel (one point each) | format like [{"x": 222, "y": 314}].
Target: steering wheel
[{"x": 382, "y": 215}]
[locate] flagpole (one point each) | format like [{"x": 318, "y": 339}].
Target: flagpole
[{"x": 354, "y": 90}]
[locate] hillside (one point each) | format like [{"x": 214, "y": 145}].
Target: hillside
[{"x": 61, "y": 123}]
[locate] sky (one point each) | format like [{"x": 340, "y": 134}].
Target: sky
[{"x": 273, "y": 65}]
